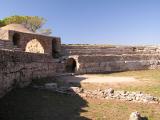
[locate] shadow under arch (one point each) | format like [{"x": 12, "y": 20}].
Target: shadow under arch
[
  {"x": 35, "y": 46},
  {"x": 70, "y": 65}
]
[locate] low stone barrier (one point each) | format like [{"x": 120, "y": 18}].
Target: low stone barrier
[{"x": 103, "y": 94}]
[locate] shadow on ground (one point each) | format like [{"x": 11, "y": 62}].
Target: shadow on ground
[{"x": 34, "y": 104}]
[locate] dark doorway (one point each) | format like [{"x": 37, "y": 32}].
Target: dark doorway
[
  {"x": 16, "y": 39},
  {"x": 70, "y": 65},
  {"x": 55, "y": 48}
]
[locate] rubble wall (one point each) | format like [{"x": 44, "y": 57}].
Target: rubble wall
[{"x": 19, "y": 68}]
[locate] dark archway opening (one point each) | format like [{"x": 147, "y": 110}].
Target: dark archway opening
[
  {"x": 16, "y": 39},
  {"x": 55, "y": 48},
  {"x": 70, "y": 65}
]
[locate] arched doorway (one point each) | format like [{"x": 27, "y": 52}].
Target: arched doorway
[
  {"x": 34, "y": 46},
  {"x": 70, "y": 65},
  {"x": 16, "y": 39}
]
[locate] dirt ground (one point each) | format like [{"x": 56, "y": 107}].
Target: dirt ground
[{"x": 99, "y": 79}]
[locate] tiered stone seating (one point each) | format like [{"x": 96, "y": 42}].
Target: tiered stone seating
[{"x": 106, "y": 50}]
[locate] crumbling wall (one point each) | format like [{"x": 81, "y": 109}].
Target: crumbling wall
[
  {"x": 115, "y": 63},
  {"x": 19, "y": 68}
]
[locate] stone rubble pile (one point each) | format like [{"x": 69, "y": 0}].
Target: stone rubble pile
[
  {"x": 102, "y": 94},
  {"x": 122, "y": 95}
]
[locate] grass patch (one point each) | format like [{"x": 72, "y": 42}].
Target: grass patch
[
  {"x": 118, "y": 110},
  {"x": 149, "y": 82},
  {"x": 151, "y": 75}
]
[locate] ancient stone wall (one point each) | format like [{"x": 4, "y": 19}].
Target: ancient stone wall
[
  {"x": 5, "y": 44},
  {"x": 25, "y": 38},
  {"x": 104, "y": 58},
  {"x": 30, "y": 42},
  {"x": 115, "y": 63},
  {"x": 19, "y": 68},
  {"x": 105, "y": 50}
]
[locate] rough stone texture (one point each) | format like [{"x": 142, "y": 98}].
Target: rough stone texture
[
  {"x": 25, "y": 38},
  {"x": 105, "y": 94},
  {"x": 4, "y": 34},
  {"x": 49, "y": 44},
  {"x": 103, "y": 59},
  {"x": 136, "y": 116},
  {"x": 120, "y": 95},
  {"x": 19, "y": 68},
  {"x": 5, "y": 44},
  {"x": 34, "y": 46},
  {"x": 108, "y": 50},
  {"x": 114, "y": 63}
]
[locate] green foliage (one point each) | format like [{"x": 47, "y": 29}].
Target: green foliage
[
  {"x": 2, "y": 23},
  {"x": 45, "y": 31},
  {"x": 32, "y": 23}
]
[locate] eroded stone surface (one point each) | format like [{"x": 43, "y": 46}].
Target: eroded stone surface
[
  {"x": 34, "y": 46},
  {"x": 17, "y": 69},
  {"x": 136, "y": 116}
]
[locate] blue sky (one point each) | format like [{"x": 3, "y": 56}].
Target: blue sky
[{"x": 128, "y": 22}]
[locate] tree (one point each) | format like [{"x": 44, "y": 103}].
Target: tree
[
  {"x": 45, "y": 31},
  {"x": 33, "y": 23},
  {"x": 2, "y": 23}
]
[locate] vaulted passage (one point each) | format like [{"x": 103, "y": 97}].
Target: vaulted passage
[{"x": 70, "y": 65}]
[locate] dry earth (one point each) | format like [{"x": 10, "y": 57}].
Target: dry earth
[{"x": 99, "y": 79}]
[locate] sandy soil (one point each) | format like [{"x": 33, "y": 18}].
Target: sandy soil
[{"x": 99, "y": 79}]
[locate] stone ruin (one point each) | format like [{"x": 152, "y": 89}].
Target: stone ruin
[{"x": 26, "y": 55}]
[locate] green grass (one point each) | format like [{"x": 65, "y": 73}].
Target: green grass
[
  {"x": 151, "y": 75},
  {"x": 149, "y": 81},
  {"x": 118, "y": 110}
]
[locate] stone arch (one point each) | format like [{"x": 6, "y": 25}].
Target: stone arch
[
  {"x": 34, "y": 46},
  {"x": 16, "y": 39},
  {"x": 71, "y": 65}
]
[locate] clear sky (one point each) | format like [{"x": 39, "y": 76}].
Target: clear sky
[{"x": 131, "y": 22}]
